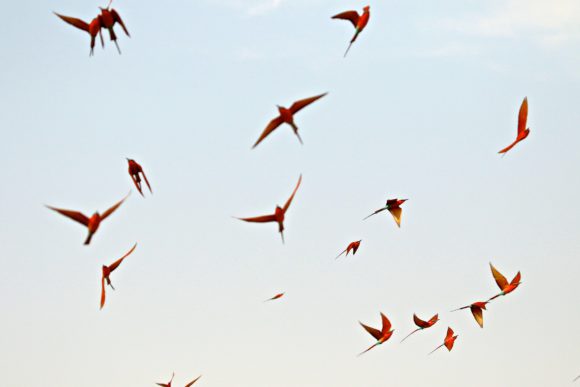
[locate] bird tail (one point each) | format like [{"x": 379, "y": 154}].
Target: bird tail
[
  {"x": 339, "y": 255},
  {"x": 435, "y": 349},
  {"x": 352, "y": 41},
  {"x": 295, "y": 128},
  {"x": 89, "y": 237},
  {"x": 406, "y": 337},
  {"x": 368, "y": 349}
]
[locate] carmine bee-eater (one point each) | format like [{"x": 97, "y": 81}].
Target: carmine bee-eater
[
  {"x": 358, "y": 21},
  {"x": 477, "y": 309},
  {"x": 394, "y": 207},
  {"x": 91, "y": 223},
  {"x": 523, "y": 132},
  {"x": 134, "y": 170},
  {"x": 422, "y": 324},
  {"x": 279, "y": 213},
  {"x": 106, "y": 275},
  {"x": 276, "y": 297},
  {"x": 166, "y": 384},
  {"x": 381, "y": 336},
  {"x": 449, "y": 341},
  {"x": 505, "y": 286},
  {"x": 352, "y": 246},
  {"x": 286, "y": 116}
]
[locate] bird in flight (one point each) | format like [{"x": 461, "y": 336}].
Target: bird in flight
[
  {"x": 193, "y": 381},
  {"x": 422, "y": 324},
  {"x": 523, "y": 132},
  {"x": 286, "y": 116},
  {"x": 477, "y": 309},
  {"x": 576, "y": 378},
  {"x": 394, "y": 207},
  {"x": 107, "y": 270},
  {"x": 277, "y": 296},
  {"x": 134, "y": 170},
  {"x": 92, "y": 223},
  {"x": 381, "y": 336},
  {"x": 167, "y": 384},
  {"x": 449, "y": 341},
  {"x": 279, "y": 213},
  {"x": 352, "y": 246},
  {"x": 505, "y": 286},
  {"x": 358, "y": 21}
]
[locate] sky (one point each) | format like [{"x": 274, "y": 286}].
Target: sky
[{"x": 419, "y": 109}]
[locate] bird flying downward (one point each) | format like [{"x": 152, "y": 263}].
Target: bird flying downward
[
  {"x": 134, "y": 170},
  {"x": 106, "y": 276},
  {"x": 477, "y": 309},
  {"x": 279, "y": 213},
  {"x": 277, "y": 296},
  {"x": 503, "y": 284},
  {"x": 381, "y": 336},
  {"x": 286, "y": 116},
  {"x": 422, "y": 324},
  {"x": 358, "y": 21},
  {"x": 92, "y": 223},
  {"x": 449, "y": 341},
  {"x": 394, "y": 207},
  {"x": 352, "y": 246},
  {"x": 523, "y": 132},
  {"x": 166, "y": 384}
]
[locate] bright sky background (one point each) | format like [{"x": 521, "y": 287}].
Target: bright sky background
[{"x": 427, "y": 96}]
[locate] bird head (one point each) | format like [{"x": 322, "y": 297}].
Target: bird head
[{"x": 367, "y": 8}]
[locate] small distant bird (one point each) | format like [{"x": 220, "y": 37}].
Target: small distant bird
[
  {"x": 523, "y": 132},
  {"x": 477, "y": 309},
  {"x": 193, "y": 381},
  {"x": 167, "y": 384},
  {"x": 422, "y": 324},
  {"x": 107, "y": 270},
  {"x": 502, "y": 283},
  {"x": 279, "y": 213},
  {"x": 134, "y": 170},
  {"x": 576, "y": 378},
  {"x": 449, "y": 341},
  {"x": 394, "y": 207},
  {"x": 381, "y": 336},
  {"x": 358, "y": 21},
  {"x": 352, "y": 246},
  {"x": 277, "y": 296},
  {"x": 91, "y": 223},
  {"x": 286, "y": 116}
]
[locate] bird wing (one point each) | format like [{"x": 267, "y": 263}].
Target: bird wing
[
  {"x": 136, "y": 184},
  {"x": 386, "y": 323},
  {"x": 397, "y": 213},
  {"x": 509, "y": 147},
  {"x": 351, "y": 16},
  {"x": 269, "y": 129},
  {"x": 118, "y": 19},
  {"x": 500, "y": 280},
  {"x": 420, "y": 323},
  {"x": 289, "y": 201},
  {"x": 112, "y": 209},
  {"x": 376, "y": 212},
  {"x": 193, "y": 381},
  {"x": 260, "y": 219},
  {"x": 477, "y": 315},
  {"x": 299, "y": 105},
  {"x": 73, "y": 21},
  {"x": 449, "y": 333},
  {"x": 433, "y": 320},
  {"x": 103, "y": 295},
  {"x": 523, "y": 116},
  {"x": 74, "y": 215},
  {"x": 146, "y": 181},
  {"x": 516, "y": 279},
  {"x": 116, "y": 264},
  {"x": 374, "y": 332}
]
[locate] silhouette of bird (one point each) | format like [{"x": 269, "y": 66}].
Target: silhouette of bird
[
  {"x": 277, "y": 296},
  {"x": 381, "y": 336},
  {"x": 352, "y": 246},
  {"x": 422, "y": 324},
  {"x": 523, "y": 132},
  {"x": 134, "y": 170},
  {"x": 394, "y": 207},
  {"x": 358, "y": 21},
  {"x": 505, "y": 286},
  {"x": 167, "y": 384},
  {"x": 107, "y": 270},
  {"x": 449, "y": 341},
  {"x": 477, "y": 309}
]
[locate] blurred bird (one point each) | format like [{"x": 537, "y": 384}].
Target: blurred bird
[
  {"x": 167, "y": 384},
  {"x": 91, "y": 223},
  {"x": 134, "y": 170},
  {"x": 358, "y": 21},
  {"x": 477, "y": 309},
  {"x": 576, "y": 378},
  {"x": 352, "y": 246},
  {"x": 287, "y": 116},
  {"x": 107, "y": 270},
  {"x": 381, "y": 336},
  {"x": 422, "y": 324},
  {"x": 193, "y": 381},
  {"x": 502, "y": 283},
  {"x": 394, "y": 207},
  {"x": 449, "y": 341},
  {"x": 277, "y": 296},
  {"x": 523, "y": 132}
]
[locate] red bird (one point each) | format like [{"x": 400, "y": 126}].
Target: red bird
[
  {"x": 449, "y": 341},
  {"x": 358, "y": 21},
  {"x": 91, "y": 223},
  {"x": 381, "y": 336},
  {"x": 523, "y": 132},
  {"x": 107, "y": 270},
  {"x": 502, "y": 283},
  {"x": 352, "y": 246},
  {"x": 394, "y": 207},
  {"x": 286, "y": 116},
  {"x": 277, "y": 296},
  {"x": 279, "y": 213},
  {"x": 477, "y": 309},
  {"x": 422, "y": 324},
  {"x": 134, "y": 170},
  {"x": 167, "y": 384},
  {"x": 193, "y": 381},
  {"x": 106, "y": 20}
]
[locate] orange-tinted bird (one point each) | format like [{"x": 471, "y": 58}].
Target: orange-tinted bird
[
  {"x": 134, "y": 170},
  {"x": 91, "y": 223},
  {"x": 279, "y": 213},
  {"x": 422, "y": 324},
  {"x": 394, "y": 207},
  {"x": 523, "y": 132},
  {"x": 193, "y": 381},
  {"x": 505, "y": 286},
  {"x": 107, "y": 270},
  {"x": 449, "y": 341},
  {"x": 286, "y": 116},
  {"x": 352, "y": 246},
  {"x": 477, "y": 309},
  {"x": 358, "y": 21},
  {"x": 167, "y": 384},
  {"x": 277, "y": 296},
  {"x": 381, "y": 336}
]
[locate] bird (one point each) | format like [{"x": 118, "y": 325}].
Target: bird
[
  {"x": 352, "y": 246},
  {"x": 278, "y": 215},
  {"x": 381, "y": 336},
  {"x": 449, "y": 341},
  {"x": 477, "y": 309},
  {"x": 502, "y": 283},
  {"x": 134, "y": 170},
  {"x": 91, "y": 223},
  {"x": 193, "y": 381},
  {"x": 422, "y": 324},
  {"x": 394, "y": 207},
  {"x": 523, "y": 132},
  {"x": 358, "y": 21},
  {"x": 576, "y": 378},
  {"x": 287, "y": 116},
  {"x": 107, "y": 270},
  {"x": 166, "y": 384},
  {"x": 277, "y": 296}
]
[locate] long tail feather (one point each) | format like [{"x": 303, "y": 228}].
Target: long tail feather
[
  {"x": 435, "y": 349},
  {"x": 406, "y": 337},
  {"x": 368, "y": 349}
]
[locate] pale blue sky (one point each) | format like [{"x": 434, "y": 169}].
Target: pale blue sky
[{"x": 427, "y": 96}]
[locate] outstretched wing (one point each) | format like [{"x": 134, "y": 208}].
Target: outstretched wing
[
  {"x": 289, "y": 201},
  {"x": 420, "y": 323},
  {"x": 374, "y": 332},
  {"x": 116, "y": 264},
  {"x": 351, "y": 16},
  {"x": 269, "y": 129},
  {"x": 146, "y": 181},
  {"x": 500, "y": 280},
  {"x": 260, "y": 219},
  {"x": 193, "y": 381},
  {"x": 386, "y": 323},
  {"x": 118, "y": 19},
  {"x": 112, "y": 209},
  {"x": 516, "y": 279},
  {"x": 449, "y": 333},
  {"x": 73, "y": 21},
  {"x": 397, "y": 213},
  {"x": 523, "y": 116},
  {"x": 103, "y": 294},
  {"x": 299, "y": 105},
  {"x": 433, "y": 319},
  {"x": 74, "y": 215},
  {"x": 477, "y": 315},
  {"x": 509, "y": 147}
]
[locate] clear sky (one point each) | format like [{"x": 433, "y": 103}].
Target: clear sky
[{"x": 427, "y": 96}]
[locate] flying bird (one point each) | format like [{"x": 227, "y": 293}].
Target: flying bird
[
  {"x": 193, "y": 381},
  {"x": 358, "y": 21},
  {"x": 286, "y": 116},
  {"x": 576, "y": 378},
  {"x": 381, "y": 336},
  {"x": 477, "y": 309},
  {"x": 279, "y": 213},
  {"x": 449, "y": 341},
  {"x": 523, "y": 132},
  {"x": 107, "y": 270},
  {"x": 422, "y": 324},
  {"x": 277, "y": 296},
  {"x": 167, "y": 384},
  {"x": 91, "y": 223},
  {"x": 505, "y": 286},
  {"x": 352, "y": 246},
  {"x": 134, "y": 170},
  {"x": 394, "y": 207}
]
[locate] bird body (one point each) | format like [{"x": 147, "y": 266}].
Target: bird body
[
  {"x": 276, "y": 297},
  {"x": 394, "y": 207},
  {"x": 449, "y": 341},
  {"x": 422, "y": 324},
  {"x": 505, "y": 286},
  {"x": 106, "y": 274},
  {"x": 136, "y": 171},
  {"x": 358, "y": 21},
  {"x": 353, "y": 246},
  {"x": 523, "y": 131},
  {"x": 381, "y": 336},
  {"x": 477, "y": 309}
]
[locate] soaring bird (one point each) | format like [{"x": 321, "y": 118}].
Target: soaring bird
[
  {"x": 505, "y": 286},
  {"x": 523, "y": 132},
  {"x": 422, "y": 324},
  {"x": 107, "y": 270},
  {"x": 381, "y": 336},
  {"x": 91, "y": 223},
  {"x": 352, "y": 246},
  {"x": 477, "y": 309},
  {"x": 449, "y": 341},
  {"x": 276, "y": 297},
  {"x": 394, "y": 207},
  {"x": 167, "y": 384},
  {"x": 358, "y": 21},
  {"x": 287, "y": 116},
  {"x": 134, "y": 170}
]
